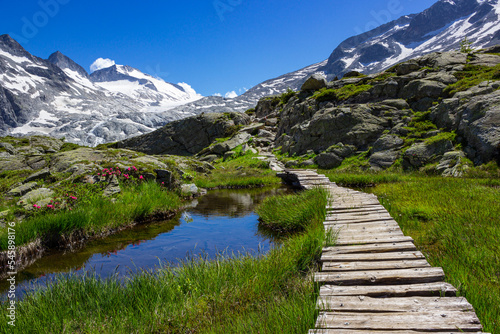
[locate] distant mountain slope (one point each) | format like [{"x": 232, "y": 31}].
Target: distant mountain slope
[
  {"x": 438, "y": 28},
  {"x": 57, "y": 97}
]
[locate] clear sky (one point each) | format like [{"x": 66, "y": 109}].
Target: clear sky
[{"x": 216, "y": 46}]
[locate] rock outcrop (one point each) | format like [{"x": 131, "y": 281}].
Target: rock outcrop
[
  {"x": 188, "y": 136},
  {"x": 412, "y": 115}
]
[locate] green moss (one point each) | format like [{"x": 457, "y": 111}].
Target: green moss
[
  {"x": 341, "y": 94},
  {"x": 349, "y": 91},
  {"x": 69, "y": 147},
  {"x": 382, "y": 77},
  {"x": 325, "y": 94},
  {"x": 356, "y": 162},
  {"x": 443, "y": 136},
  {"x": 14, "y": 141},
  {"x": 473, "y": 75},
  {"x": 285, "y": 97},
  {"x": 354, "y": 74}
]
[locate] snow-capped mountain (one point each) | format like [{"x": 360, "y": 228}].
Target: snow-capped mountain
[
  {"x": 57, "y": 97},
  {"x": 144, "y": 87},
  {"x": 439, "y": 28}
]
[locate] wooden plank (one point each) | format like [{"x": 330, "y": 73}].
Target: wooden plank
[
  {"x": 363, "y": 230},
  {"x": 387, "y": 223},
  {"x": 367, "y": 257},
  {"x": 353, "y": 237},
  {"x": 408, "y": 290},
  {"x": 371, "y": 248},
  {"x": 386, "y": 277},
  {"x": 369, "y": 240},
  {"x": 358, "y": 220},
  {"x": 386, "y": 305},
  {"x": 374, "y": 265},
  {"x": 360, "y": 211},
  {"x": 418, "y": 321},
  {"x": 348, "y": 331},
  {"x": 336, "y": 207},
  {"x": 354, "y": 228},
  {"x": 364, "y": 215}
]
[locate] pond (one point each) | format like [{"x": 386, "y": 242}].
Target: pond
[{"x": 221, "y": 221}]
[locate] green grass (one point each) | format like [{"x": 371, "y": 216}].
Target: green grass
[
  {"x": 291, "y": 213},
  {"x": 349, "y": 91},
  {"x": 473, "y": 75},
  {"x": 363, "y": 179},
  {"x": 455, "y": 222},
  {"x": 326, "y": 94},
  {"x": 96, "y": 214},
  {"x": 340, "y": 94},
  {"x": 241, "y": 171},
  {"x": 270, "y": 293}
]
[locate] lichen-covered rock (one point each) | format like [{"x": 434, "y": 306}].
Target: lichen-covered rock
[
  {"x": 36, "y": 162},
  {"x": 41, "y": 175},
  {"x": 387, "y": 142},
  {"x": 112, "y": 188},
  {"x": 328, "y": 160},
  {"x": 36, "y": 197},
  {"x": 341, "y": 150},
  {"x": 46, "y": 144},
  {"x": 189, "y": 189},
  {"x": 355, "y": 125},
  {"x": 314, "y": 82},
  {"x": 22, "y": 190},
  {"x": 422, "y": 88},
  {"x": 453, "y": 164},
  {"x": 440, "y": 60},
  {"x": 62, "y": 161},
  {"x": 477, "y": 121},
  {"x": 9, "y": 148},
  {"x": 396, "y": 103},
  {"x": 421, "y": 154},
  {"x": 407, "y": 67},
  {"x": 383, "y": 159},
  {"x": 13, "y": 163},
  {"x": 228, "y": 145},
  {"x": 150, "y": 162},
  {"x": 187, "y": 136}
]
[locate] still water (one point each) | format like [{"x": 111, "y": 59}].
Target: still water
[{"x": 221, "y": 221}]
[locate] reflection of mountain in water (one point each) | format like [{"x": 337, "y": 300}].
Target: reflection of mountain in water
[{"x": 233, "y": 203}]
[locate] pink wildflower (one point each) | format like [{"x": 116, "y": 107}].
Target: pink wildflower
[{"x": 141, "y": 178}]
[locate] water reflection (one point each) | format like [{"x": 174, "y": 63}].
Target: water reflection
[{"x": 220, "y": 221}]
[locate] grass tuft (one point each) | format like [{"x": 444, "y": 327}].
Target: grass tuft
[{"x": 293, "y": 213}]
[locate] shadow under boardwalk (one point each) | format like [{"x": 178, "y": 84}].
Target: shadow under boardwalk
[{"x": 375, "y": 280}]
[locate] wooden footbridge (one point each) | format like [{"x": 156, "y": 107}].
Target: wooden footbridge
[{"x": 375, "y": 280}]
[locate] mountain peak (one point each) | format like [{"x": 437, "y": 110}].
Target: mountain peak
[
  {"x": 9, "y": 44},
  {"x": 64, "y": 62}
]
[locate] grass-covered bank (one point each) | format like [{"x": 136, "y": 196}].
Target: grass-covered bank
[
  {"x": 242, "y": 171},
  {"x": 96, "y": 214},
  {"x": 293, "y": 213},
  {"x": 271, "y": 293},
  {"x": 454, "y": 221}
]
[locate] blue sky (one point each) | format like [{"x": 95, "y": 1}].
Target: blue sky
[{"x": 216, "y": 46}]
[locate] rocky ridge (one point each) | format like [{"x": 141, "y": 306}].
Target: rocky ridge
[{"x": 439, "y": 112}]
